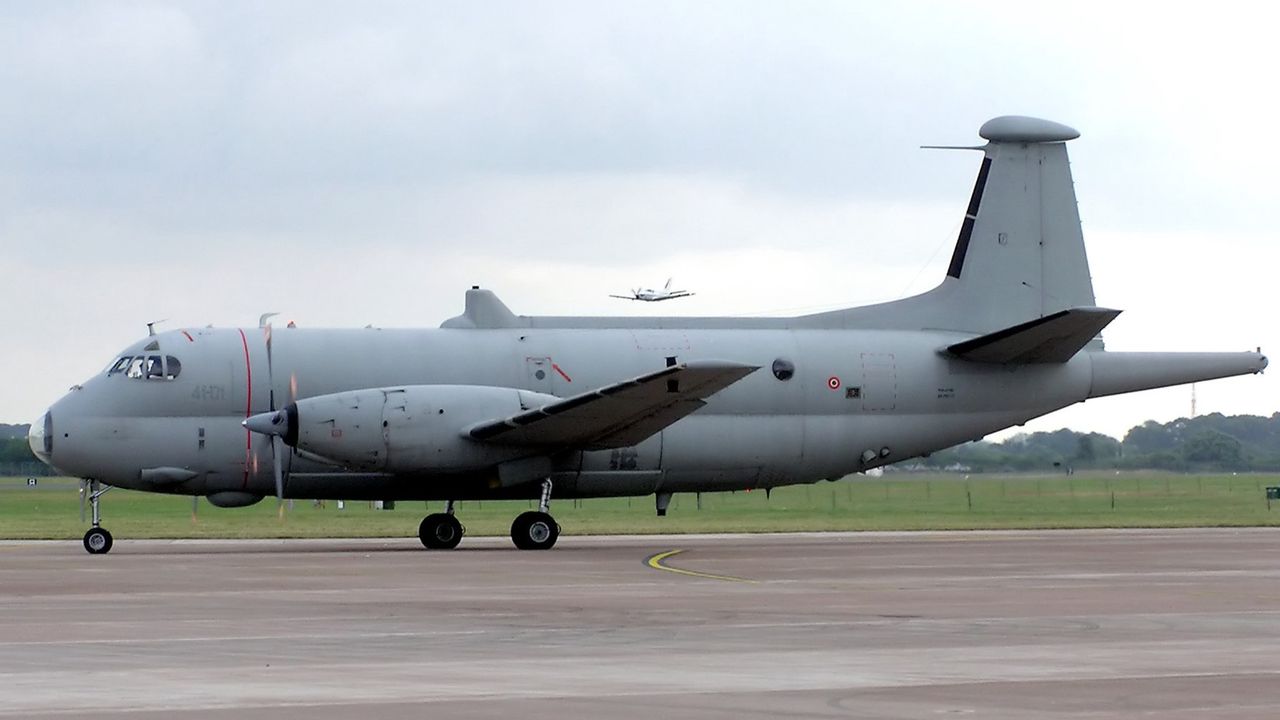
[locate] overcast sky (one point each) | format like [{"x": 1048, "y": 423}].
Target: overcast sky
[{"x": 356, "y": 163}]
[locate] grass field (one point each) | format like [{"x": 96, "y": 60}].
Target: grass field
[{"x": 51, "y": 509}]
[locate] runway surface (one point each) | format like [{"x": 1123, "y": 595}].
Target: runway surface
[{"x": 1053, "y": 624}]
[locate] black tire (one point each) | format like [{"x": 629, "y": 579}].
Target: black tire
[
  {"x": 97, "y": 541},
  {"x": 534, "y": 530},
  {"x": 440, "y": 531}
]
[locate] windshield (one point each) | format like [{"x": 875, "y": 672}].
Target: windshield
[{"x": 148, "y": 367}]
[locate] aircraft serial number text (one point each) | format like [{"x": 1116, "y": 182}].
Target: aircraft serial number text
[{"x": 209, "y": 392}]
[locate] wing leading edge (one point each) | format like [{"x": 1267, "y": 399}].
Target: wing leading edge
[{"x": 618, "y": 415}]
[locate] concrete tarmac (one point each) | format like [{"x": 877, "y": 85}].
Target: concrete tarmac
[{"x": 1043, "y": 624}]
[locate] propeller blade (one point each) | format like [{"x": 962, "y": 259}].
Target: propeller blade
[
  {"x": 278, "y": 461},
  {"x": 274, "y": 423}
]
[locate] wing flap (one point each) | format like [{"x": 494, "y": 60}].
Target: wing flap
[
  {"x": 1053, "y": 338},
  {"x": 618, "y": 415}
]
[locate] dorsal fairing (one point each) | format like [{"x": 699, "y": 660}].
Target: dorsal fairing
[{"x": 483, "y": 311}]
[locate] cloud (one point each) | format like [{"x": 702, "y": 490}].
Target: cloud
[{"x": 365, "y": 163}]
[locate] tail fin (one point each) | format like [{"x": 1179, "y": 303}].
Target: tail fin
[{"x": 1020, "y": 254}]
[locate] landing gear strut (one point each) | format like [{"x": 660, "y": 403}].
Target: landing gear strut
[
  {"x": 97, "y": 541},
  {"x": 441, "y": 531},
  {"x": 536, "y": 529}
]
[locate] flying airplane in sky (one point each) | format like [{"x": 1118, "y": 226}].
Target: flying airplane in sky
[
  {"x": 496, "y": 405},
  {"x": 651, "y": 295}
]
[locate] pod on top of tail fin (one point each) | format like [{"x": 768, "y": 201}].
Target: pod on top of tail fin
[{"x": 1023, "y": 129}]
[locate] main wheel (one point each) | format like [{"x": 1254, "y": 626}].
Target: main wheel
[
  {"x": 534, "y": 530},
  {"x": 440, "y": 531},
  {"x": 97, "y": 541}
]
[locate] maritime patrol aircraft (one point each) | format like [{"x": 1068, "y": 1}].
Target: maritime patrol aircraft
[
  {"x": 496, "y": 405},
  {"x": 651, "y": 295}
]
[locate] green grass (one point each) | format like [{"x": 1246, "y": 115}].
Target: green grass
[{"x": 51, "y": 510}]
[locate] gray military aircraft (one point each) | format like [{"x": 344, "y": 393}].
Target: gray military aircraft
[{"x": 498, "y": 405}]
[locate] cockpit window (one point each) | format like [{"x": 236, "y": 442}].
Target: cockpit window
[
  {"x": 135, "y": 367},
  {"x": 150, "y": 367},
  {"x": 119, "y": 366}
]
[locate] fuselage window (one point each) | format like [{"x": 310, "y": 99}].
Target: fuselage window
[{"x": 119, "y": 366}]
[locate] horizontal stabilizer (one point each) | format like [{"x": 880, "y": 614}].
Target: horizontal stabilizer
[
  {"x": 618, "y": 415},
  {"x": 1053, "y": 338}
]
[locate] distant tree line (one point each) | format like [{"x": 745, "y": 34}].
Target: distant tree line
[
  {"x": 1212, "y": 442},
  {"x": 15, "y": 455},
  {"x": 9, "y": 432}
]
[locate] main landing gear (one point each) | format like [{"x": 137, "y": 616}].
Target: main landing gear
[
  {"x": 441, "y": 531},
  {"x": 536, "y": 529},
  {"x": 97, "y": 540},
  {"x": 532, "y": 530}
]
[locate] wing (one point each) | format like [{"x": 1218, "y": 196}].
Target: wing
[
  {"x": 625, "y": 297},
  {"x": 618, "y": 415}
]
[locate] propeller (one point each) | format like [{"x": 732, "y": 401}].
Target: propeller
[
  {"x": 276, "y": 422},
  {"x": 277, "y": 459}
]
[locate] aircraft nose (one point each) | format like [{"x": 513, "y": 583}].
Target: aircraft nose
[{"x": 40, "y": 438}]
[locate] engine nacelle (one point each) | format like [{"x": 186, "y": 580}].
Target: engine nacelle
[{"x": 406, "y": 429}]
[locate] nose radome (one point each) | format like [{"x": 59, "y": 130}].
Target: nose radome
[{"x": 40, "y": 438}]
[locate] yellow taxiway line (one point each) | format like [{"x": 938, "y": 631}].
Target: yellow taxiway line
[{"x": 657, "y": 562}]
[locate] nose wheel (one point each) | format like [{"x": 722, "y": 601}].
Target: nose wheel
[{"x": 97, "y": 540}]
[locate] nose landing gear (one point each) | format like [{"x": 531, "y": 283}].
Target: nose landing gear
[{"x": 97, "y": 540}]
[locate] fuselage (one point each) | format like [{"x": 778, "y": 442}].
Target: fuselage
[{"x": 823, "y": 404}]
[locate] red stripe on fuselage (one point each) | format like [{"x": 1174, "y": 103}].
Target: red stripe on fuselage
[
  {"x": 248, "y": 407},
  {"x": 562, "y": 374}
]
